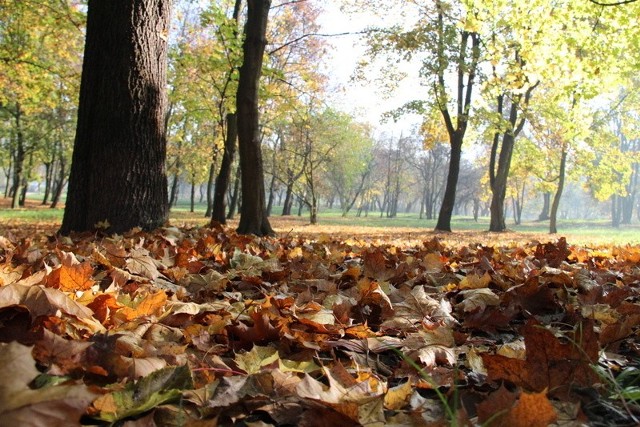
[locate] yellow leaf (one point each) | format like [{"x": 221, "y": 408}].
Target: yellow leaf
[{"x": 398, "y": 397}]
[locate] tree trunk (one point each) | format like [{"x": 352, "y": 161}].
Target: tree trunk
[
  {"x": 219, "y": 210},
  {"x": 449, "y": 199},
  {"x": 615, "y": 211},
  {"x": 192, "y": 198},
  {"x": 499, "y": 183},
  {"x": 210, "y": 181},
  {"x": 233, "y": 203},
  {"x": 59, "y": 182},
  {"x": 118, "y": 167},
  {"x": 20, "y": 155},
  {"x": 272, "y": 195},
  {"x": 253, "y": 218},
  {"x": 556, "y": 198},
  {"x": 546, "y": 204},
  {"x": 48, "y": 181},
  {"x": 175, "y": 181},
  {"x": 288, "y": 199}
]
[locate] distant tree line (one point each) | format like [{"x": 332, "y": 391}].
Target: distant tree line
[{"x": 122, "y": 102}]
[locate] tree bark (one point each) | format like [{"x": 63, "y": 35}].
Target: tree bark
[
  {"x": 19, "y": 158},
  {"x": 449, "y": 199},
  {"x": 556, "y": 198},
  {"x": 498, "y": 178},
  {"x": 118, "y": 166},
  {"x": 219, "y": 210},
  {"x": 253, "y": 215},
  {"x": 235, "y": 195},
  {"x": 546, "y": 199}
]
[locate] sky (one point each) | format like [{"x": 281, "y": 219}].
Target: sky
[{"x": 364, "y": 101}]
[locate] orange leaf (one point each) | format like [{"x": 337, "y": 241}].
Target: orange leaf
[
  {"x": 531, "y": 410},
  {"x": 150, "y": 305},
  {"x": 71, "y": 278}
]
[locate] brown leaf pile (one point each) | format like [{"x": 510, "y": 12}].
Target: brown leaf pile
[{"x": 202, "y": 326}]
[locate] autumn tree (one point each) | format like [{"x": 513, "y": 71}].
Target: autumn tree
[
  {"x": 39, "y": 61},
  {"x": 118, "y": 168},
  {"x": 253, "y": 213},
  {"x": 447, "y": 53}
]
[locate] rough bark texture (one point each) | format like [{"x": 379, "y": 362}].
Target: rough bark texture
[
  {"x": 118, "y": 166},
  {"x": 253, "y": 216}
]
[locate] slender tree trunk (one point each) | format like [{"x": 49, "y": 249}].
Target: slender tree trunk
[
  {"x": 118, "y": 167},
  {"x": 313, "y": 211},
  {"x": 556, "y": 198},
  {"x": 48, "y": 181},
  {"x": 219, "y": 210},
  {"x": 499, "y": 184},
  {"x": 18, "y": 169},
  {"x": 8, "y": 174},
  {"x": 209, "y": 192},
  {"x": 449, "y": 199},
  {"x": 233, "y": 203},
  {"x": 546, "y": 205},
  {"x": 288, "y": 199},
  {"x": 253, "y": 215},
  {"x": 175, "y": 181},
  {"x": 271, "y": 194},
  {"x": 59, "y": 182},
  {"x": 615, "y": 211},
  {"x": 192, "y": 198}
]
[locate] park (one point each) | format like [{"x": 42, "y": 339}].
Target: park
[{"x": 204, "y": 222}]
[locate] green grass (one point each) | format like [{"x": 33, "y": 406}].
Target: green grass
[{"x": 576, "y": 231}]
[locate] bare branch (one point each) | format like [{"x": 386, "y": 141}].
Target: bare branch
[
  {"x": 304, "y": 36},
  {"x": 618, "y": 3}
]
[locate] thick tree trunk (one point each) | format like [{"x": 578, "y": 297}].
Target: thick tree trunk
[
  {"x": 556, "y": 198},
  {"x": 253, "y": 215},
  {"x": 218, "y": 213},
  {"x": 118, "y": 166},
  {"x": 449, "y": 199}
]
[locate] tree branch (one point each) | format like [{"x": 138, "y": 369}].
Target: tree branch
[
  {"x": 618, "y": 3},
  {"x": 304, "y": 36}
]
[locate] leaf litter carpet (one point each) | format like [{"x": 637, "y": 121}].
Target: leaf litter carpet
[{"x": 196, "y": 326}]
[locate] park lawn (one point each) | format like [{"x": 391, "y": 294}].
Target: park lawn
[{"x": 405, "y": 229}]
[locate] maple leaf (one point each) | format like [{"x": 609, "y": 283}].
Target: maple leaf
[
  {"x": 140, "y": 262},
  {"x": 431, "y": 346},
  {"x": 417, "y": 306},
  {"x": 477, "y": 299},
  {"x": 159, "y": 387},
  {"x": 252, "y": 361},
  {"x": 361, "y": 401},
  {"x": 10, "y": 274},
  {"x": 553, "y": 253},
  {"x": 72, "y": 278},
  {"x": 549, "y": 363}
]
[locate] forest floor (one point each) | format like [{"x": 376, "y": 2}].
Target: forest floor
[{"x": 319, "y": 326}]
